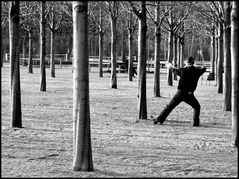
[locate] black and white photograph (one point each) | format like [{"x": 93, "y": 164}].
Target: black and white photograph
[{"x": 119, "y": 89}]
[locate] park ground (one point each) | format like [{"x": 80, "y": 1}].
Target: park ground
[{"x": 122, "y": 145}]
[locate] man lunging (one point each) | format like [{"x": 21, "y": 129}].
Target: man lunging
[{"x": 187, "y": 84}]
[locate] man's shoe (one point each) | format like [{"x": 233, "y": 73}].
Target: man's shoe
[{"x": 155, "y": 121}]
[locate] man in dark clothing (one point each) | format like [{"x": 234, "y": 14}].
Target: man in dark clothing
[{"x": 186, "y": 86}]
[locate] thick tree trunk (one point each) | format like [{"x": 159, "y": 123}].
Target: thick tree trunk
[
  {"x": 227, "y": 59},
  {"x": 52, "y": 59},
  {"x": 234, "y": 60},
  {"x": 142, "y": 55},
  {"x": 30, "y": 69},
  {"x": 113, "y": 76},
  {"x": 220, "y": 60},
  {"x": 15, "y": 92},
  {"x": 82, "y": 150},
  {"x": 43, "y": 48}
]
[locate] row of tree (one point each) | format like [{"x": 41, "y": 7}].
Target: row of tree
[{"x": 174, "y": 20}]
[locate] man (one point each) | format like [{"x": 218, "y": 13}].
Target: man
[{"x": 186, "y": 86}]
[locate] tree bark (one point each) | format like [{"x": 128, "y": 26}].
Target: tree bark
[
  {"x": 101, "y": 46},
  {"x": 175, "y": 52},
  {"x": 69, "y": 50},
  {"x": 43, "y": 47},
  {"x": 130, "y": 42},
  {"x": 170, "y": 58},
  {"x": 52, "y": 59},
  {"x": 157, "y": 55},
  {"x": 157, "y": 64},
  {"x": 227, "y": 59},
  {"x": 234, "y": 60},
  {"x": 220, "y": 59},
  {"x": 82, "y": 150},
  {"x": 101, "y": 53},
  {"x": 15, "y": 92},
  {"x": 213, "y": 52},
  {"x": 113, "y": 76},
  {"x": 30, "y": 69},
  {"x": 142, "y": 55}
]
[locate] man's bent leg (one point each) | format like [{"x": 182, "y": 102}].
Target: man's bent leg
[
  {"x": 192, "y": 101},
  {"x": 172, "y": 104}
]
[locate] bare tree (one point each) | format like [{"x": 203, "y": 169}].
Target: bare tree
[
  {"x": 227, "y": 58},
  {"x": 173, "y": 23},
  {"x": 43, "y": 47},
  {"x": 130, "y": 22},
  {"x": 82, "y": 151},
  {"x": 29, "y": 24},
  {"x": 234, "y": 56},
  {"x": 113, "y": 8},
  {"x": 14, "y": 21},
  {"x": 54, "y": 18},
  {"x": 142, "y": 57},
  {"x": 97, "y": 17}
]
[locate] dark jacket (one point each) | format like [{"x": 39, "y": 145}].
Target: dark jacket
[{"x": 188, "y": 77}]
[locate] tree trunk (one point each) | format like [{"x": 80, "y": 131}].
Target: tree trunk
[
  {"x": 179, "y": 51},
  {"x": 101, "y": 53},
  {"x": 14, "y": 19},
  {"x": 2, "y": 48},
  {"x": 130, "y": 41},
  {"x": 82, "y": 150},
  {"x": 113, "y": 53},
  {"x": 170, "y": 58},
  {"x": 213, "y": 53},
  {"x": 181, "y": 64},
  {"x": 30, "y": 69},
  {"x": 234, "y": 60},
  {"x": 157, "y": 63},
  {"x": 227, "y": 59},
  {"x": 192, "y": 44},
  {"x": 69, "y": 50},
  {"x": 24, "y": 45},
  {"x": 43, "y": 47},
  {"x": 52, "y": 59},
  {"x": 216, "y": 54},
  {"x": 142, "y": 55},
  {"x": 157, "y": 55},
  {"x": 101, "y": 46},
  {"x": 220, "y": 59},
  {"x": 175, "y": 52},
  {"x": 130, "y": 67}
]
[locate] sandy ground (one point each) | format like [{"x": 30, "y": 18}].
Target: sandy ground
[{"x": 122, "y": 145}]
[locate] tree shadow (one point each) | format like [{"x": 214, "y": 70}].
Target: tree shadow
[{"x": 112, "y": 174}]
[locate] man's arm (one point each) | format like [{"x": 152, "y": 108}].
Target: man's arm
[{"x": 175, "y": 70}]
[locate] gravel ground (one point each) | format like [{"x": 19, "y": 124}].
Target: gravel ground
[{"x": 122, "y": 145}]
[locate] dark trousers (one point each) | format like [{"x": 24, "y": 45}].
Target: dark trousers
[{"x": 180, "y": 96}]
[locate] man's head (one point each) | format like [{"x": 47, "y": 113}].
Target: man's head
[{"x": 190, "y": 61}]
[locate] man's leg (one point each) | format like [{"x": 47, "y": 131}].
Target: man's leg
[
  {"x": 172, "y": 104},
  {"x": 192, "y": 101}
]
